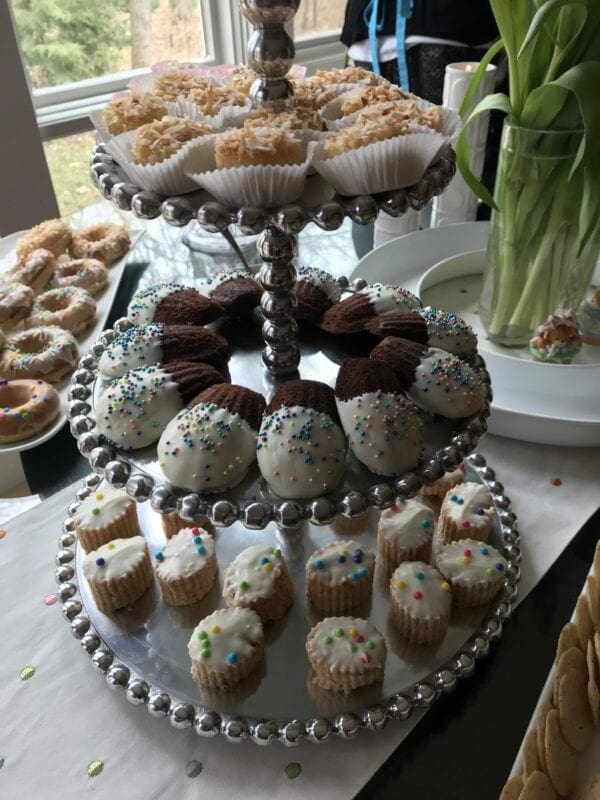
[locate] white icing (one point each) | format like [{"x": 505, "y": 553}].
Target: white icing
[
  {"x": 206, "y": 448},
  {"x": 386, "y": 298},
  {"x": 420, "y": 590},
  {"x": 301, "y": 452},
  {"x": 383, "y": 430},
  {"x": 408, "y": 523},
  {"x": 143, "y": 304},
  {"x": 447, "y": 331},
  {"x": 322, "y": 280},
  {"x": 352, "y": 651},
  {"x": 183, "y": 555},
  {"x": 102, "y": 507},
  {"x": 55, "y": 343},
  {"x": 445, "y": 385},
  {"x": 120, "y": 557},
  {"x": 241, "y": 632},
  {"x": 340, "y": 562},
  {"x": 208, "y": 285},
  {"x": 137, "y": 347},
  {"x": 476, "y": 498},
  {"x": 134, "y": 410},
  {"x": 456, "y": 565},
  {"x": 248, "y": 567}
]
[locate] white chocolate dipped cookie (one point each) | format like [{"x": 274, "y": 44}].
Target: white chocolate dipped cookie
[
  {"x": 186, "y": 566},
  {"x": 258, "y": 578},
  {"x": 339, "y": 576},
  {"x": 301, "y": 448},
  {"x": 405, "y": 532},
  {"x": 118, "y": 573},
  {"x": 107, "y": 513},
  {"x": 474, "y": 570},
  {"x": 420, "y": 602},
  {"x": 226, "y": 646},
  {"x": 346, "y": 653}
]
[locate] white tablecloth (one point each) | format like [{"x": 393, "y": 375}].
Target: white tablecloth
[{"x": 64, "y": 717}]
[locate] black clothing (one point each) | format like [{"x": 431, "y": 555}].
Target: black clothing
[{"x": 468, "y": 21}]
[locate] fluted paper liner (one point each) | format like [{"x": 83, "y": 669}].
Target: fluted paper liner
[
  {"x": 331, "y": 113},
  {"x": 252, "y": 186},
  {"x": 168, "y": 177},
  {"x": 380, "y": 166},
  {"x": 228, "y": 116}
]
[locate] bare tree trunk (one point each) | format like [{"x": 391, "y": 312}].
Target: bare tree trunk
[{"x": 140, "y": 12}]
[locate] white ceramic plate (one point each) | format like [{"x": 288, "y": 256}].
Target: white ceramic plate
[
  {"x": 103, "y": 304},
  {"x": 543, "y": 403}
]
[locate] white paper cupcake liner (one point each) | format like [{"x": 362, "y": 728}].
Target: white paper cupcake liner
[
  {"x": 451, "y": 122},
  {"x": 168, "y": 177},
  {"x": 266, "y": 186},
  {"x": 380, "y": 166},
  {"x": 228, "y": 116},
  {"x": 145, "y": 83}
]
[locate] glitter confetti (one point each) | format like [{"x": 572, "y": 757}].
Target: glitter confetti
[
  {"x": 193, "y": 768},
  {"x": 2, "y": 533},
  {"x": 293, "y": 769},
  {"x": 94, "y": 768},
  {"x": 50, "y": 599},
  {"x": 27, "y": 673},
  {"x": 556, "y": 482}
]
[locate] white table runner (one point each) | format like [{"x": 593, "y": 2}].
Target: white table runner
[{"x": 64, "y": 717}]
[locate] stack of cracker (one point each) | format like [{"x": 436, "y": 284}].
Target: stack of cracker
[{"x": 566, "y": 721}]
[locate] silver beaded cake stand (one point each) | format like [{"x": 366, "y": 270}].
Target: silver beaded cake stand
[{"x": 271, "y": 55}]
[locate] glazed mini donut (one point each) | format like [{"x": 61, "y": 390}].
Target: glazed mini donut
[
  {"x": 47, "y": 353},
  {"x": 85, "y": 273},
  {"x": 27, "y": 407},
  {"x": 71, "y": 308},
  {"x": 51, "y": 235},
  {"x": 16, "y": 300},
  {"x": 105, "y": 241},
  {"x": 34, "y": 270}
]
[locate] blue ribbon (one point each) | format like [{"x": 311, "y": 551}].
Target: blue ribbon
[{"x": 404, "y": 9}]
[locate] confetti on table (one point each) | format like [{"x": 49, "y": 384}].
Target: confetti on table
[
  {"x": 95, "y": 768},
  {"x": 556, "y": 482},
  {"x": 1, "y": 762},
  {"x": 2, "y": 533},
  {"x": 193, "y": 768},
  {"x": 293, "y": 769},
  {"x": 27, "y": 673},
  {"x": 50, "y": 599}
]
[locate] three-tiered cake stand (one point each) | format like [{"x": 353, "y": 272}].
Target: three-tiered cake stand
[{"x": 282, "y": 708}]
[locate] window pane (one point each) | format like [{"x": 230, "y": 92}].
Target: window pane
[
  {"x": 68, "y": 161},
  {"x": 70, "y": 40},
  {"x": 316, "y": 17}
]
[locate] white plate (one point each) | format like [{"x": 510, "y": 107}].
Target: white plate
[
  {"x": 103, "y": 305},
  {"x": 542, "y": 403}
]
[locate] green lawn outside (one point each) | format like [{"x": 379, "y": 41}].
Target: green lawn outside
[{"x": 68, "y": 161}]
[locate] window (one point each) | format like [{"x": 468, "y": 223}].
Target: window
[
  {"x": 315, "y": 18},
  {"x": 68, "y": 159}
]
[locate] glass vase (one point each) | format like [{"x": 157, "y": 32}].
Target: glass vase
[{"x": 539, "y": 260}]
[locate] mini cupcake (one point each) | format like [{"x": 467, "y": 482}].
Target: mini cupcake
[
  {"x": 226, "y": 646},
  {"x": 118, "y": 573},
  {"x": 557, "y": 340},
  {"x": 404, "y": 533},
  {"x": 173, "y": 304},
  {"x": 467, "y": 510},
  {"x": 420, "y": 602},
  {"x": 437, "y": 381},
  {"x": 236, "y": 290},
  {"x": 588, "y": 318},
  {"x": 339, "y": 576},
  {"x": 158, "y": 343},
  {"x": 126, "y": 112},
  {"x": 186, "y": 566},
  {"x": 382, "y": 426},
  {"x": 301, "y": 448},
  {"x": 157, "y": 141},
  {"x": 436, "y": 492},
  {"x": 210, "y": 445},
  {"x": 173, "y": 523},
  {"x": 105, "y": 514},
  {"x": 135, "y": 408},
  {"x": 431, "y": 327},
  {"x": 474, "y": 570},
  {"x": 352, "y": 314},
  {"x": 315, "y": 291},
  {"x": 256, "y": 146},
  {"x": 258, "y": 578},
  {"x": 346, "y": 653}
]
